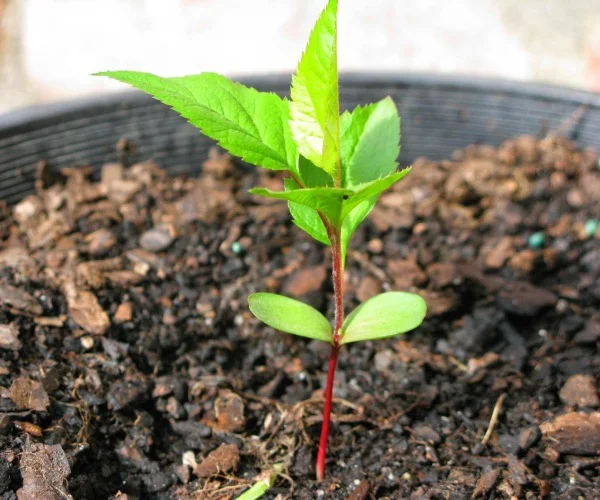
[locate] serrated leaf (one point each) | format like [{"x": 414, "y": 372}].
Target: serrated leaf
[
  {"x": 370, "y": 142},
  {"x": 371, "y": 189},
  {"x": 385, "y": 315},
  {"x": 307, "y": 218},
  {"x": 334, "y": 203},
  {"x": 290, "y": 316},
  {"x": 315, "y": 108},
  {"x": 328, "y": 201},
  {"x": 249, "y": 124}
]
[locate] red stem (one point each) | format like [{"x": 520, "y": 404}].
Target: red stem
[
  {"x": 338, "y": 290},
  {"x": 326, "y": 414}
]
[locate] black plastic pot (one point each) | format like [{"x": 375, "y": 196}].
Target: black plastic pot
[{"x": 439, "y": 115}]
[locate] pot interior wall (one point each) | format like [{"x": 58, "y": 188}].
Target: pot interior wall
[{"x": 439, "y": 115}]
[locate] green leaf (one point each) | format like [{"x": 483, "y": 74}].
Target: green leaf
[
  {"x": 356, "y": 216},
  {"x": 334, "y": 203},
  {"x": 290, "y": 316},
  {"x": 370, "y": 142},
  {"x": 249, "y": 124},
  {"x": 311, "y": 175},
  {"x": 315, "y": 108},
  {"x": 307, "y": 218},
  {"x": 371, "y": 189},
  {"x": 353, "y": 220},
  {"x": 384, "y": 315},
  {"x": 328, "y": 201}
]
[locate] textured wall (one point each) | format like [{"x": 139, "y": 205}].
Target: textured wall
[{"x": 49, "y": 47}]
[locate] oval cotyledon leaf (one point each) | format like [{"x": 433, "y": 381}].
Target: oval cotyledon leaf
[
  {"x": 384, "y": 315},
  {"x": 290, "y": 316}
]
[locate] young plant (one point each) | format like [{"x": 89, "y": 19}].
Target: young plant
[{"x": 337, "y": 166}]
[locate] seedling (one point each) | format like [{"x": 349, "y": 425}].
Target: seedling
[{"x": 337, "y": 167}]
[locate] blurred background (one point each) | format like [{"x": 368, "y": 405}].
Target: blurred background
[{"x": 48, "y": 48}]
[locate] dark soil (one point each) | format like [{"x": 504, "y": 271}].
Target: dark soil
[{"x": 129, "y": 361}]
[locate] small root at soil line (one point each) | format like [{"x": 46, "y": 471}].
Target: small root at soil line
[{"x": 493, "y": 419}]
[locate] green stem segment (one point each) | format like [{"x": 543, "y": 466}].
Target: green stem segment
[{"x": 338, "y": 290}]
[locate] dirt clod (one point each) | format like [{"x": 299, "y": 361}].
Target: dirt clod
[
  {"x": 525, "y": 299},
  {"x": 580, "y": 390},
  {"x": 157, "y": 239},
  {"x": 528, "y": 437},
  {"x": 9, "y": 337},
  {"x": 19, "y": 300},
  {"x": 122, "y": 393},
  {"x": 425, "y": 433},
  {"x": 85, "y": 310},
  {"x": 224, "y": 459},
  {"x": 369, "y": 287},
  {"x": 44, "y": 470},
  {"x": 486, "y": 482},
  {"x": 100, "y": 242},
  {"x": 229, "y": 410},
  {"x": 500, "y": 252},
  {"x": 124, "y": 312},
  {"x": 360, "y": 492},
  {"x": 306, "y": 281},
  {"x": 574, "y": 432},
  {"x": 29, "y": 394},
  {"x": 590, "y": 334},
  {"x": 406, "y": 274}
]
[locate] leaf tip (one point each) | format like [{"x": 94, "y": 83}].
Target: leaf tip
[{"x": 389, "y": 100}]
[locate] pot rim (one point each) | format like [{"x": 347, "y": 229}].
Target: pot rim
[{"x": 18, "y": 120}]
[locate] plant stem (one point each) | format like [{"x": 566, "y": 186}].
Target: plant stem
[
  {"x": 338, "y": 284},
  {"x": 338, "y": 291},
  {"x": 326, "y": 414}
]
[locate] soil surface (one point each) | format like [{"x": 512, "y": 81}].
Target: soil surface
[{"x": 130, "y": 366}]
